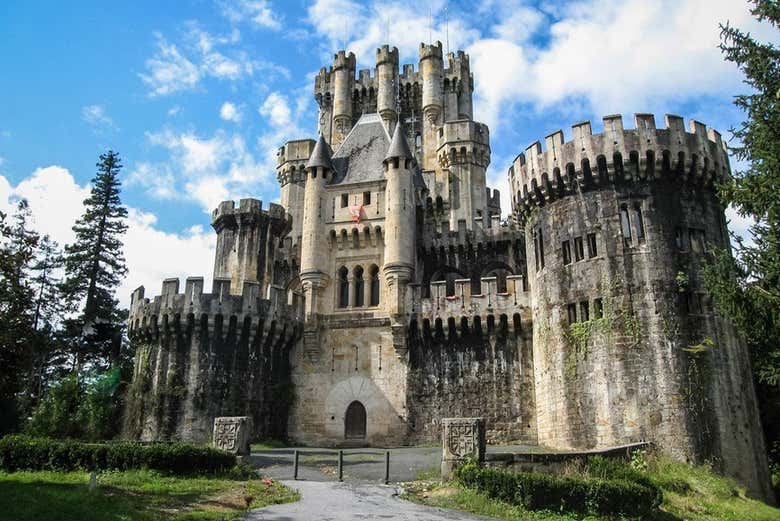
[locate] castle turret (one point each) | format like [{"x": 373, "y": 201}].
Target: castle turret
[
  {"x": 399, "y": 222},
  {"x": 431, "y": 71},
  {"x": 343, "y": 79},
  {"x": 246, "y": 238},
  {"x": 290, "y": 172},
  {"x": 464, "y": 153},
  {"x": 459, "y": 85},
  {"x": 323, "y": 93},
  {"x": 387, "y": 84}
]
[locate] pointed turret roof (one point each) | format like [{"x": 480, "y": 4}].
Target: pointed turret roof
[
  {"x": 398, "y": 146},
  {"x": 320, "y": 156}
]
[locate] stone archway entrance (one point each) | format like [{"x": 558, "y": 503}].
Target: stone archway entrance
[{"x": 355, "y": 421}]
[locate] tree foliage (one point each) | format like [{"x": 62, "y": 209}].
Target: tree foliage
[
  {"x": 746, "y": 287},
  {"x": 94, "y": 267}
]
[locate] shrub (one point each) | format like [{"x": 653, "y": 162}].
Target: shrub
[
  {"x": 26, "y": 453},
  {"x": 567, "y": 493}
]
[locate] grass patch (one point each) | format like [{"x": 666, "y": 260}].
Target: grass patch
[
  {"x": 691, "y": 493},
  {"x": 138, "y": 495}
]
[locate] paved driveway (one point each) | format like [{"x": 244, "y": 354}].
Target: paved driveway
[{"x": 334, "y": 501}]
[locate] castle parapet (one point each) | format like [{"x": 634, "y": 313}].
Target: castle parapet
[
  {"x": 539, "y": 175},
  {"x": 277, "y": 312},
  {"x": 468, "y": 310},
  {"x": 463, "y": 141}
]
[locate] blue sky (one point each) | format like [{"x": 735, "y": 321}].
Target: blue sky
[{"x": 196, "y": 95}]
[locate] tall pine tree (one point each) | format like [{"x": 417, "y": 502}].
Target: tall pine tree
[
  {"x": 94, "y": 267},
  {"x": 747, "y": 286}
]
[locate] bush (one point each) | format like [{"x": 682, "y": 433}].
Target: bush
[
  {"x": 26, "y": 453},
  {"x": 567, "y": 493}
]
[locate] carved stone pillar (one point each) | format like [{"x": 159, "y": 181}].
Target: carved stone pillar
[{"x": 462, "y": 439}]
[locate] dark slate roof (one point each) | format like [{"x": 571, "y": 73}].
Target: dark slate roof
[
  {"x": 321, "y": 155},
  {"x": 398, "y": 146},
  {"x": 360, "y": 156}
]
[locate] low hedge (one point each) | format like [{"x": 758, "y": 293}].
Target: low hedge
[
  {"x": 26, "y": 453},
  {"x": 562, "y": 493}
]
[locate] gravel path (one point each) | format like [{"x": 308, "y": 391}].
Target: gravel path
[{"x": 334, "y": 501}]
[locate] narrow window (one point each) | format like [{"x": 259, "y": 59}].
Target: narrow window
[
  {"x": 640, "y": 225},
  {"x": 536, "y": 251},
  {"x": 450, "y": 284},
  {"x": 359, "y": 287},
  {"x": 697, "y": 240},
  {"x": 592, "y": 249},
  {"x": 625, "y": 225},
  {"x": 572, "y": 312},
  {"x": 579, "y": 253},
  {"x": 343, "y": 287},
  {"x": 374, "y": 286},
  {"x": 584, "y": 311},
  {"x": 598, "y": 308},
  {"x": 541, "y": 249},
  {"x": 344, "y": 200},
  {"x": 366, "y": 198},
  {"x": 678, "y": 238},
  {"x": 566, "y": 246}
]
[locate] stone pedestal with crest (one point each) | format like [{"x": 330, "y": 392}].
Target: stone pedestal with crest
[
  {"x": 462, "y": 439},
  {"x": 231, "y": 433}
]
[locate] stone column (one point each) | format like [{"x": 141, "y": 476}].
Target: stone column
[{"x": 462, "y": 439}]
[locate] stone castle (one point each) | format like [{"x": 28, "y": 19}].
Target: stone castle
[{"x": 385, "y": 292}]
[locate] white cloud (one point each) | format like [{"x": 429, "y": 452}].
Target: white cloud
[
  {"x": 2, "y": 160},
  {"x": 169, "y": 71},
  {"x": 96, "y": 117},
  {"x": 202, "y": 55},
  {"x": 207, "y": 170},
  {"x": 56, "y": 202},
  {"x": 229, "y": 112},
  {"x": 605, "y": 56},
  {"x": 259, "y": 13},
  {"x": 174, "y": 111},
  {"x": 363, "y": 27}
]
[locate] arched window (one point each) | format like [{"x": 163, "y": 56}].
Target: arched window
[
  {"x": 640, "y": 224},
  {"x": 359, "y": 286},
  {"x": 374, "y": 286},
  {"x": 343, "y": 287}
]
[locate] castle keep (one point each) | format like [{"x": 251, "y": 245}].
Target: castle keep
[{"x": 385, "y": 292}]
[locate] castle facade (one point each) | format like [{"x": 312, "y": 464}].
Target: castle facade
[{"x": 385, "y": 292}]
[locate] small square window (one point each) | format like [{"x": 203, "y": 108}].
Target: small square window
[
  {"x": 344, "y": 200},
  {"x": 366, "y": 198},
  {"x": 579, "y": 253},
  {"x": 566, "y": 247},
  {"x": 592, "y": 249},
  {"x": 572, "y": 312}
]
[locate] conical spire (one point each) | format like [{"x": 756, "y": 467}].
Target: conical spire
[
  {"x": 398, "y": 146},
  {"x": 320, "y": 156}
]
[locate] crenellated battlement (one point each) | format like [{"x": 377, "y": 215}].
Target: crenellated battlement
[
  {"x": 387, "y": 54},
  {"x": 276, "y": 313},
  {"x": 645, "y": 152},
  {"x": 487, "y": 231},
  {"x": 467, "y": 310},
  {"x": 344, "y": 60},
  {"x": 291, "y": 161},
  {"x": 228, "y": 214},
  {"x": 463, "y": 141},
  {"x": 432, "y": 50}
]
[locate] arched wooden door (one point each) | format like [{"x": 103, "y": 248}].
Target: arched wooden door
[{"x": 355, "y": 422}]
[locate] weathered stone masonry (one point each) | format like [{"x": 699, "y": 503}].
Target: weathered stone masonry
[{"x": 385, "y": 293}]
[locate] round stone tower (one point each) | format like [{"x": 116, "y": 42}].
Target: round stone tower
[
  {"x": 627, "y": 346},
  {"x": 343, "y": 79},
  {"x": 387, "y": 84}
]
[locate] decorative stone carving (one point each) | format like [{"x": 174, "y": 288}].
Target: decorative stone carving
[
  {"x": 462, "y": 439},
  {"x": 231, "y": 433}
]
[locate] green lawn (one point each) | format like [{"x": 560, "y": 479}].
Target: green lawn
[
  {"x": 690, "y": 493},
  {"x": 139, "y": 495}
]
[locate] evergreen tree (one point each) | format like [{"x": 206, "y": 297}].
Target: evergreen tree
[
  {"x": 94, "y": 266},
  {"x": 17, "y": 250},
  {"x": 746, "y": 287}
]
